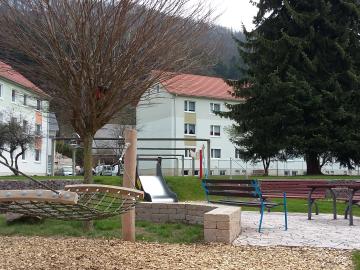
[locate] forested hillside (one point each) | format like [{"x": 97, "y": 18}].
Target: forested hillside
[{"x": 223, "y": 61}]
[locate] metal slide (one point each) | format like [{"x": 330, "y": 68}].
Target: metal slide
[{"x": 155, "y": 187}]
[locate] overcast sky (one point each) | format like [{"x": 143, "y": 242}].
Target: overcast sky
[{"x": 234, "y": 12}]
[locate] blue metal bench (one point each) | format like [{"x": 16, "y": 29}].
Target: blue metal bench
[{"x": 229, "y": 192}]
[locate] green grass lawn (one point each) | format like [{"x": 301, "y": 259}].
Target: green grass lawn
[
  {"x": 356, "y": 260},
  {"x": 189, "y": 189},
  {"x": 107, "y": 228}
]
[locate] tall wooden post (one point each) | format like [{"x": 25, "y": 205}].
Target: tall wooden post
[{"x": 128, "y": 219}]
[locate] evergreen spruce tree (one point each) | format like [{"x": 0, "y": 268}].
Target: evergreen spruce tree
[{"x": 303, "y": 63}]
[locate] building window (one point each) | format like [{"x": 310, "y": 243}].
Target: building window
[
  {"x": 189, "y": 106},
  {"x": 37, "y": 129},
  {"x": 13, "y": 95},
  {"x": 37, "y": 155},
  {"x": 287, "y": 173},
  {"x": 25, "y": 100},
  {"x": 214, "y": 107},
  {"x": 38, "y": 104},
  {"x": 188, "y": 153},
  {"x": 23, "y": 156},
  {"x": 215, "y": 130},
  {"x": 215, "y": 153},
  {"x": 237, "y": 153},
  {"x": 189, "y": 129},
  {"x": 186, "y": 172},
  {"x": 222, "y": 172},
  {"x": 196, "y": 172},
  {"x": 294, "y": 173}
]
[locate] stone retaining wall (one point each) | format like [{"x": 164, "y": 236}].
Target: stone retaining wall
[{"x": 221, "y": 223}]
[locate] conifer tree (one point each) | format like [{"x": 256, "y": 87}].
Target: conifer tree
[{"x": 303, "y": 62}]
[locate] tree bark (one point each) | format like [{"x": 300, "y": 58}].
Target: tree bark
[
  {"x": 16, "y": 162},
  {"x": 88, "y": 159},
  {"x": 12, "y": 162},
  {"x": 266, "y": 165},
  {"x": 312, "y": 164},
  {"x": 88, "y": 173}
]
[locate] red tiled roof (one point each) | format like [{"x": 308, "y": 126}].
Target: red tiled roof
[
  {"x": 198, "y": 86},
  {"x": 10, "y": 74}
]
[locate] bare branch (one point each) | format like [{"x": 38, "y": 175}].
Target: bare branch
[{"x": 99, "y": 56}]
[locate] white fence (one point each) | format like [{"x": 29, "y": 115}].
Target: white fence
[{"x": 234, "y": 167}]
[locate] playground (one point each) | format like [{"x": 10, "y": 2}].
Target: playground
[
  {"x": 221, "y": 147},
  {"x": 181, "y": 246}
]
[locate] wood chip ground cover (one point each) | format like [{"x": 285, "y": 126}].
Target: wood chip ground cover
[{"x": 80, "y": 253}]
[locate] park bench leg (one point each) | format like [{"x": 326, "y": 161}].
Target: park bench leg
[
  {"x": 285, "y": 212},
  {"x": 334, "y": 203},
  {"x": 261, "y": 215},
  {"x": 351, "y": 218},
  {"x": 310, "y": 203},
  {"x": 346, "y": 210},
  {"x": 316, "y": 208}
]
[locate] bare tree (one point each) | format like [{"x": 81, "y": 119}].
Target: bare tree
[
  {"x": 99, "y": 56},
  {"x": 15, "y": 139}
]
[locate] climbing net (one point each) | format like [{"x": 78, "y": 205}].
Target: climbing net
[{"x": 75, "y": 202}]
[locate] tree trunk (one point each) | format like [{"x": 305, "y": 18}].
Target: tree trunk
[
  {"x": 88, "y": 173},
  {"x": 88, "y": 160},
  {"x": 14, "y": 172},
  {"x": 312, "y": 164},
  {"x": 16, "y": 162},
  {"x": 266, "y": 165},
  {"x": 12, "y": 163}
]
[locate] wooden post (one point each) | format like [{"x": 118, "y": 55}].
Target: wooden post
[{"x": 128, "y": 219}]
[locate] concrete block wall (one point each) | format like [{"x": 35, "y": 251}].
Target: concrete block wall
[
  {"x": 221, "y": 223},
  {"x": 189, "y": 213}
]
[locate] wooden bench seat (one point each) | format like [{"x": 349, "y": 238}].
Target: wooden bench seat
[
  {"x": 239, "y": 193},
  {"x": 294, "y": 189}
]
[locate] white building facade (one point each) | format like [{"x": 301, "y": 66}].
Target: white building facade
[
  {"x": 23, "y": 102},
  {"x": 183, "y": 107}
]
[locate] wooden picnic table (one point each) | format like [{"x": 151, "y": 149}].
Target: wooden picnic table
[{"x": 353, "y": 187}]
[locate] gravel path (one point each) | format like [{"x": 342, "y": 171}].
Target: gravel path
[{"x": 77, "y": 253}]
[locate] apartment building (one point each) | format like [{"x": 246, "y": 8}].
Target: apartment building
[
  {"x": 24, "y": 102},
  {"x": 184, "y": 107}
]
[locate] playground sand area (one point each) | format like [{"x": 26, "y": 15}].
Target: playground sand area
[{"x": 80, "y": 253}]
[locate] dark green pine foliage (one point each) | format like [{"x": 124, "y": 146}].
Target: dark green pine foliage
[{"x": 303, "y": 66}]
